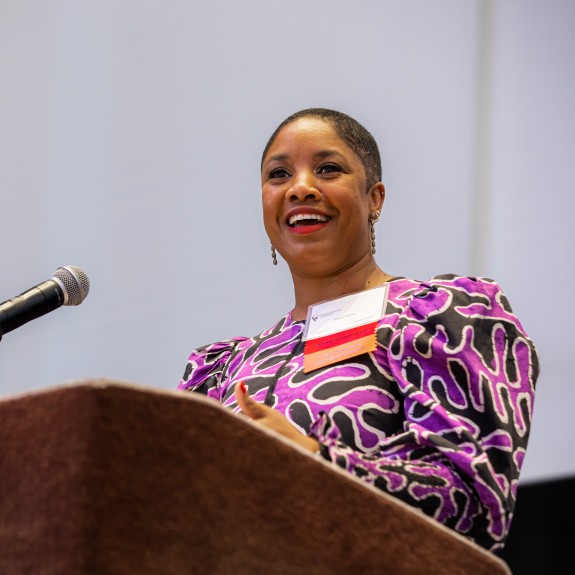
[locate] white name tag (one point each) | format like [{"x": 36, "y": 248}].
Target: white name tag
[{"x": 347, "y": 312}]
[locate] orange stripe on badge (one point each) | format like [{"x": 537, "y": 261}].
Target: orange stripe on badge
[{"x": 339, "y": 346}]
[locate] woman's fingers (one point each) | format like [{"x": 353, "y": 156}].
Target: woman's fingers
[
  {"x": 250, "y": 407},
  {"x": 270, "y": 418}
]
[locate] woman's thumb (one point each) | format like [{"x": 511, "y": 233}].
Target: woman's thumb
[{"x": 250, "y": 407}]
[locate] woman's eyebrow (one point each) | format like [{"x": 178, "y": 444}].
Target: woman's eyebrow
[
  {"x": 277, "y": 158},
  {"x": 321, "y": 154},
  {"x": 326, "y": 154}
]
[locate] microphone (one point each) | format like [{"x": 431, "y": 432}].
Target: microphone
[{"x": 68, "y": 286}]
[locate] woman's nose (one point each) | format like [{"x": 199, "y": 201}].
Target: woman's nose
[{"x": 303, "y": 188}]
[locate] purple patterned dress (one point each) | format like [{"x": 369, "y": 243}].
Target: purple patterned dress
[{"x": 438, "y": 415}]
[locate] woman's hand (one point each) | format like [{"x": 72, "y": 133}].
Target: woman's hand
[{"x": 269, "y": 417}]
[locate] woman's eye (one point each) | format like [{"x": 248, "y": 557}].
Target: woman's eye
[
  {"x": 329, "y": 168},
  {"x": 279, "y": 173}
]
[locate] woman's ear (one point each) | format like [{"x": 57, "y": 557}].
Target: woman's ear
[{"x": 376, "y": 197}]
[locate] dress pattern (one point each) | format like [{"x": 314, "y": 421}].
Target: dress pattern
[{"x": 438, "y": 415}]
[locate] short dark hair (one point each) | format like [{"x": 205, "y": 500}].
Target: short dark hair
[{"x": 349, "y": 130}]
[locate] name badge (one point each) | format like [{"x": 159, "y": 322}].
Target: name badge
[{"x": 342, "y": 328}]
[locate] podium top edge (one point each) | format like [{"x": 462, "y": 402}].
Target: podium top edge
[{"x": 96, "y": 383}]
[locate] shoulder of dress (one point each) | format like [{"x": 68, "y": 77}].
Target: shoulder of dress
[
  {"x": 459, "y": 280},
  {"x": 463, "y": 286},
  {"x": 402, "y": 290},
  {"x": 444, "y": 291},
  {"x": 218, "y": 348},
  {"x": 226, "y": 347}
]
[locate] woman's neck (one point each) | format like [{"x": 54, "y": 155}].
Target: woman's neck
[{"x": 310, "y": 289}]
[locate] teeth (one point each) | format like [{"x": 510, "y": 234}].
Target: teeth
[{"x": 299, "y": 217}]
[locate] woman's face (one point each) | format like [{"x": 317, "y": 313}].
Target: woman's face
[{"x": 315, "y": 203}]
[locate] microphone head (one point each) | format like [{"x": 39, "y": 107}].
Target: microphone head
[{"x": 74, "y": 282}]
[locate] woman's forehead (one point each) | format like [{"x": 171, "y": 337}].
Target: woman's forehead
[{"x": 315, "y": 133}]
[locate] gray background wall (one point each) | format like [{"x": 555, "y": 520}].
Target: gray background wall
[{"x": 130, "y": 139}]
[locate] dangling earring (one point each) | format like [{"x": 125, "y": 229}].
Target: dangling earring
[
  {"x": 274, "y": 256},
  {"x": 372, "y": 219}
]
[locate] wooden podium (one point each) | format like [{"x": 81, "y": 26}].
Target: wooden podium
[{"x": 103, "y": 477}]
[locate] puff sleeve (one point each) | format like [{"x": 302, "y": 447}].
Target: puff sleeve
[
  {"x": 206, "y": 368},
  {"x": 466, "y": 372}
]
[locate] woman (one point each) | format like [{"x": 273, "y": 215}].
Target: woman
[{"x": 430, "y": 402}]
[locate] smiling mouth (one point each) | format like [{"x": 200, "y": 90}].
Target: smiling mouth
[{"x": 307, "y": 220}]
